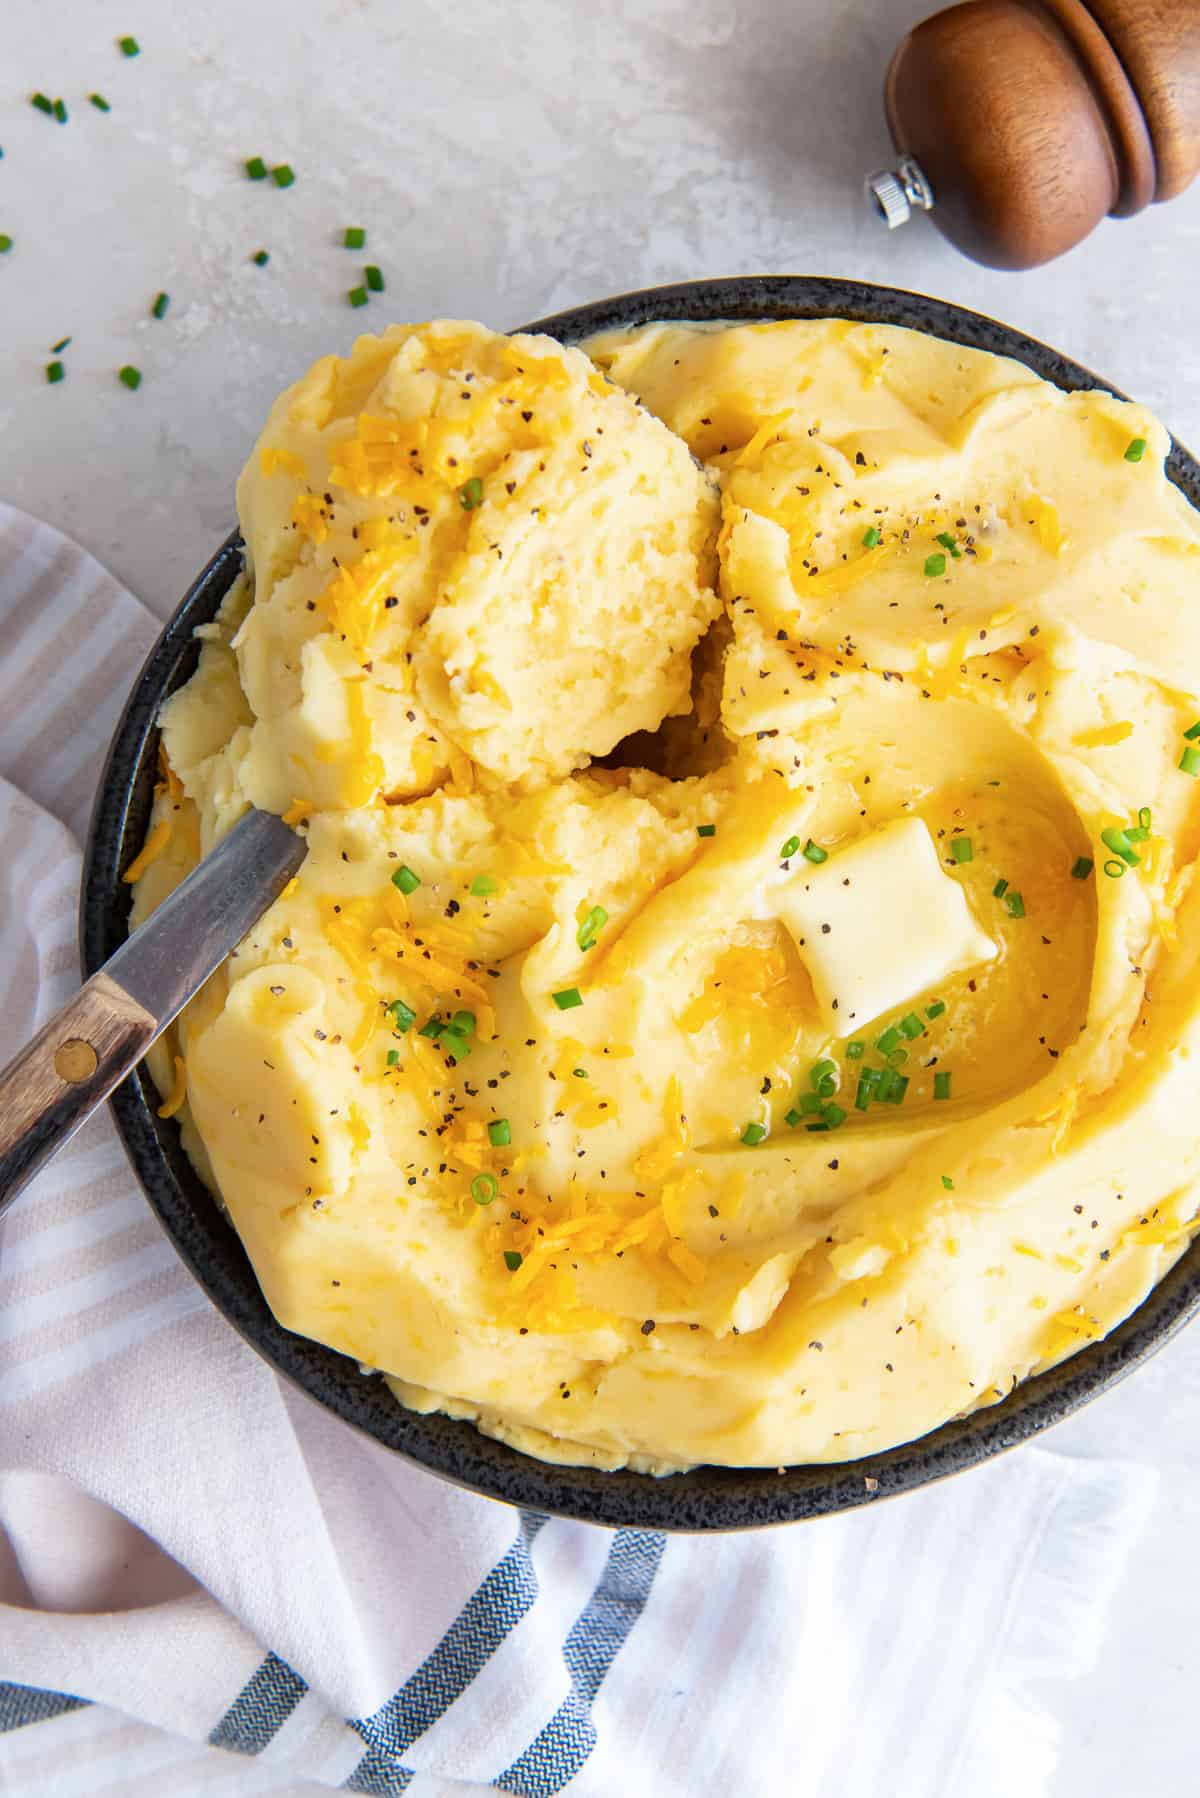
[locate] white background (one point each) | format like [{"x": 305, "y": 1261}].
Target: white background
[{"x": 509, "y": 158}]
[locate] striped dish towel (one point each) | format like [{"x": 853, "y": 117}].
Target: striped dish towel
[{"x": 209, "y": 1585}]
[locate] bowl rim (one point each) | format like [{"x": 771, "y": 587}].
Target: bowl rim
[{"x": 707, "y": 1497}]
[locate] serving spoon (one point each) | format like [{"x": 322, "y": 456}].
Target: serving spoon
[{"x": 56, "y": 1082}]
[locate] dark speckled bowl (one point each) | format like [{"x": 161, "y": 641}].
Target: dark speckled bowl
[{"x": 709, "y": 1498}]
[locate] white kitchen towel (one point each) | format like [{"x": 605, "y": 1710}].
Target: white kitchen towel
[{"x": 207, "y": 1584}]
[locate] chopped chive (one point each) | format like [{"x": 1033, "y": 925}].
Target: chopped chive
[
  {"x": 788, "y": 849},
  {"x": 282, "y": 175},
  {"x": 456, "y": 1044},
  {"x": 753, "y": 1134},
  {"x": 130, "y": 376},
  {"x": 962, "y": 849},
  {"x": 1193, "y": 731},
  {"x": 1136, "y": 449},
  {"x": 814, "y": 853},
  {"x": 393, "y": 1057},
  {"x": 159, "y": 308},
  {"x": 99, "y": 102},
  {"x": 792, "y": 1118},
  {"x": 935, "y": 1010},
  {"x": 886, "y": 1080},
  {"x": 888, "y": 1041},
  {"x": 129, "y": 46},
  {"x": 568, "y": 998},
  {"x": 256, "y": 168},
  {"x": 500, "y": 1133},
  {"x": 405, "y": 879},
  {"x": 833, "y": 1116},
  {"x": 591, "y": 927},
  {"x": 470, "y": 494},
  {"x": 1118, "y": 840},
  {"x": 43, "y": 102},
  {"x": 433, "y": 1029},
  {"x": 60, "y": 111},
  {"x": 484, "y": 1188},
  {"x": 897, "y": 1058},
  {"x": 950, "y": 543},
  {"x": 948, "y": 1183},
  {"x": 580, "y": 1073},
  {"x": 1014, "y": 905},
  {"x": 261, "y": 258},
  {"x": 6, "y": 243},
  {"x": 941, "y": 1086},
  {"x": 808, "y": 1103},
  {"x": 482, "y": 885},
  {"x": 56, "y": 349},
  {"x": 1082, "y": 868},
  {"x": 54, "y": 372},
  {"x": 935, "y": 565},
  {"x": 854, "y": 1051},
  {"x": 871, "y": 537},
  {"x": 512, "y": 1260},
  {"x": 402, "y": 1015},
  {"x": 357, "y": 296},
  {"x": 822, "y": 1071},
  {"x": 374, "y": 278},
  {"x": 1189, "y": 761},
  {"x": 896, "y": 1091},
  {"x": 1145, "y": 817},
  {"x": 999, "y": 890},
  {"x": 463, "y": 1022},
  {"x": 706, "y": 830},
  {"x": 1137, "y": 833},
  {"x": 911, "y": 1026},
  {"x": 1114, "y": 869},
  {"x": 355, "y": 237},
  {"x": 863, "y": 1093}
]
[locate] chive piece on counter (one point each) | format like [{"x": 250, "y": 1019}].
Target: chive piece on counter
[
  {"x": 1136, "y": 449},
  {"x": 935, "y": 565},
  {"x": 950, "y": 543},
  {"x": 788, "y": 848},
  {"x": 484, "y": 1188},
  {"x": 482, "y": 885},
  {"x": 393, "y": 1057},
  {"x": 357, "y": 296},
  {"x": 283, "y": 175},
  {"x": 935, "y": 1010},
  {"x": 941, "y": 1086},
  {"x": 871, "y": 537},
  {"x": 44, "y": 103},
  {"x": 54, "y": 372},
  {"x": 1014, "y": 905},
  {"x": 999, "y": 890},
  {"x": 130, "y": 377},
  {"x": 261, "y": 258},
  {"x": 855, "y": 1051},
  {"x": 814, "y": 853},
  {"x": 99, "y": 102},
  {"x": 56, "y": 349},
  {"x": 591, "y": 927},
  {"x": 948, "y": 1183},
  {"x": 402, "y": 1015},
  {"x": 568, "y": 998},
  {"x": 374, "y": 278},
  {"x": 500, "y": 1133},
  {"x": 470, "y": 494},
  {"x": 6, "y": 243},
  {"x": 129, "y": 46},
  {"x": 405, "y": 879},
  {"x": 1189, "y": 761},
  {"x": 753, "y": 1134},
  {"x": 962, "y": 849},
  {"x": 911, "y": 1026},
  {"x": 355, "y": 237},
  {"x": 60, "y": 111},
  {"x": 256, "y": 168},
  {"x": 1193, "y": 731},
  {"x": 888, "y": 1041},
  {"x": 159, "y": 308},
  {"x": 1082, "y": 868},
  {"x": 706, "y": 830},
  {"x": 1114, "y": 869},
  {"x": 512, "y": 1260}
]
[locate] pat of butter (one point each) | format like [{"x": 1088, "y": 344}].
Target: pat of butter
[{"x": 878, "y": 923}]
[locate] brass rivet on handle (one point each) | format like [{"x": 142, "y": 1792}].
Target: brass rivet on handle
[{"x": 75, "y": 1061}]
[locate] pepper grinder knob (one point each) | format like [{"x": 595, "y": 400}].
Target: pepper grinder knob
[{"x": 1022, "y": 123}]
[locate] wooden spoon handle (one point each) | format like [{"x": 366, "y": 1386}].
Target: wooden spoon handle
[{"x": 59, "y": 1079}]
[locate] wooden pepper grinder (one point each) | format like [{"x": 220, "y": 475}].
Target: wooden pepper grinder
[{"x": 1021, "y": 123}]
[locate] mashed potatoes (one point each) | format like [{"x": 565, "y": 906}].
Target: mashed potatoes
[{"x": 822, "y": 1064}]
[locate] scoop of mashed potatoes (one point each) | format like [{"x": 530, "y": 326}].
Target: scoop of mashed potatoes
[{"x": 814, "y": 1067}]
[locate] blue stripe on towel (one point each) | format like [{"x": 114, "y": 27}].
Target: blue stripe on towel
[
  {"x": 20, "y": 1705},
  {"x": 489, "y": 1615},
  {"x": 260, "y": 1709},
  {"x": 558, "y": 1752}
]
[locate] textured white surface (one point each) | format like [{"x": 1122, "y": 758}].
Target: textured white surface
[{"x": 508, "y": 159}]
